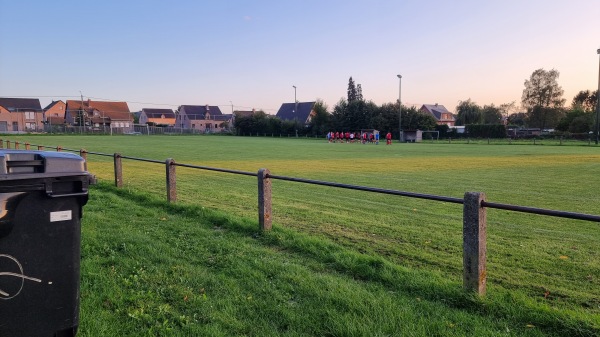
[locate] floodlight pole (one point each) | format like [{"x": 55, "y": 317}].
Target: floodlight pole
[
  {"x": 400, "y": 108},
  {"x": 598, "y": 103}
]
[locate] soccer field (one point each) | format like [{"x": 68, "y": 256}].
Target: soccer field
[{"x": 551, "y": 260}]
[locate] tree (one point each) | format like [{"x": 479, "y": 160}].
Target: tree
[
  {"x": 517, "y": 119},
  {"x": 507, "y": 109},
  {"x": 468, "y": 113},
  {"x": 542, "y": 90},
  {"x": 542, "y": 97},
  {"x": 586, "y": 100},
  {"x": 413, "y": 119},
  {"x": 359, "y": 94},
  {"x": 353, "y": 116},
  {"x": 352, "y": 93},
  {"x": 491, "y": 114},
  {"x": 320, "y": 122}
]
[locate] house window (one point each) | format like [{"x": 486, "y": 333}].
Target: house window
[
  {"x": 29, "y": 115},
  {"x": 30, "y": 126},
  {"x": 15, "y": 126}
]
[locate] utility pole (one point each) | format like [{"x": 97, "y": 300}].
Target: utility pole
[
  {"x": 598, "y": 103},
  {"x": 295, "y": 110},
  {"x": 81, "y": 112},
  {"x": 400, "y": 108}
]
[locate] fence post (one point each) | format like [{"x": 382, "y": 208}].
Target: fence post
[
  {"x": 1, "y": 144},
  {"x": 59, "y": 149},
  {"x": 83, "y": 154},
  {"x": 27, "y": 146},
  {"x": 474, "y": 243},
  {"x": 118, "y": 170},
  {"x": 264, "y": 200},
  {"x": 8, "y": 144},
  {"x": 171, "y": 180},
  {"x": 40, "y": 148},
  {"x": 16, "y": 145}
]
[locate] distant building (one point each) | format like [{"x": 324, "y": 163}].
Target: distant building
[
  {"x": 21, "y": 114},
  {"x": 55, "y": 113},
  {"x": 161, "y": 117},
  {"x": 99, "y": 114},
  {"x": 204, "y": 118},
  {"x": 440, "y": 113},
  {"x": 301, "y": 111}
]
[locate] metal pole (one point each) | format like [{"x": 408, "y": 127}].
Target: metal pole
[
  {"x": 400, "y": 108},
  {"x": 598, "y": 103}
]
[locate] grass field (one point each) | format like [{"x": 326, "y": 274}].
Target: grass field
[{"x": 339, "y": 263}]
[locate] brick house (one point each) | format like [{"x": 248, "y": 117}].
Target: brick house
[
  {"x": 55, "y": 113},
  {"x": 162, "y": 117},
  {"x": 98, "y": 114},
  {"x": 204, "y": 118},
  {"x": 21, "y": 114},
  {"x": 440, "y": 113}
]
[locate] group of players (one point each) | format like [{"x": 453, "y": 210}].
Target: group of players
[{"x": 364, "y": 138}]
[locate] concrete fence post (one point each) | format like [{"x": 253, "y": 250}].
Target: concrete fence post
[
  {"x": 83, "y": 154},
  {"x": 474, "y": 243},
  {"x": 27, "y": 146},
  {"x": 171, "y": 180},
  {"x": 264, "y": 200},
  {"x": 118, "y": 170}
]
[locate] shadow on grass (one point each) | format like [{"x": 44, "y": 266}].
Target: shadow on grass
[{"x": 499, "y": 302}]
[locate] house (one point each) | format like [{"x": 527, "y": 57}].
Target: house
[
  {"x": 204, "y": 118},
  {"x": 301, "y": 112},
  {"x": 440, "y": 113},
  {"x": 54, "y": 113},
  {"x": 162, "y": 117},
  {"x": 24, "y": 114},
  {"x": 99, "y": 114}
]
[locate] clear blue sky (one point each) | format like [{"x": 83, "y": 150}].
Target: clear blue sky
[{"x": 252, "y": 52}]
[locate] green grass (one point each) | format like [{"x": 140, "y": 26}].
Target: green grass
[{"x": 338, "y": 262}]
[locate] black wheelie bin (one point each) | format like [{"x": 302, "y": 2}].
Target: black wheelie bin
[{"x": 41, "y": 200}]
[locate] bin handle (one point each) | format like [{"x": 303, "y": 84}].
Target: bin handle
[{"x": 78, "y": 194}]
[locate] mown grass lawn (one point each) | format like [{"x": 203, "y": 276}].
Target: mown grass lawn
[{"x": 398, "y": 256}]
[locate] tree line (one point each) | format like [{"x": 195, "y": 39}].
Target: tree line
[
  {"x": 353, "y": 113},
  {"x": 542, "y": 106}
]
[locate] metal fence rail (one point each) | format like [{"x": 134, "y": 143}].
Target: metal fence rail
[{"x": 474, "y": 206}]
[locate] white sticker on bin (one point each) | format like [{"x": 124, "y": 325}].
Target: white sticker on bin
[{"x": 61, "y": 216}]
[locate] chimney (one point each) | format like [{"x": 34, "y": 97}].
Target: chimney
[{"x": 435, "y": 104}]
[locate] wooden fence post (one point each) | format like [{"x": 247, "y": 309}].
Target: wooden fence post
[
  {"x": 16, "y": 145},
  {"x": 83, "y": 154},
  {"x": 264, "y": 200},
  {"x": 474, "y": 243},
  {"x": 40, "y": 148},
  {"x": 59, "y": 149},
  {"x": 27, "y": 146},
  {"x": 118, "y": 170},
  {"x": 171, "y": 180},
  {"x": 1, "y": 144},
  {"x": 8, "y": 144}
]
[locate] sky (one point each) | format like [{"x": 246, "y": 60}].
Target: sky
[{"x": 250, "y": 53}]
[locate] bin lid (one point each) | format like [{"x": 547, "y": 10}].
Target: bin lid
[{"x": 19, "y": 164}]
